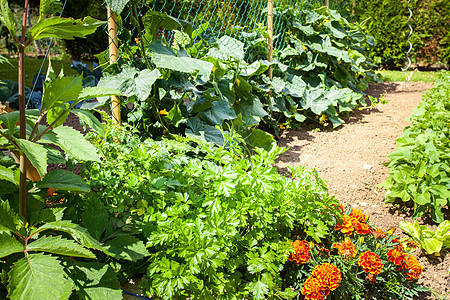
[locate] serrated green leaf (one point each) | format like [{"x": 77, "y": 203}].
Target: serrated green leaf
[
  {"x": 89, "y": 119},
  {"x": 95, "y": 218},
  {"x": 9, "y": 220},
  {"x": 63, "y": 180},
  {"x": 258, "y": 289},
  {"x": 61, "y": 90},
  {"x": 59, "y": 245},
  {"x": 9, "y": 245},
  {"x": 48, "y": 7},
  {"x": 35, "y": 153},
  {"x": 126, "y": 247},
  {"x": 96, "y": 91},
  {"x": 73, "y": 143},
  {"x": 95, "y": 281},
  {"x": 7, "y": 17},
  {"x": 79, "y": 233},
  {"x": 7, "y": 174},
  {"x": 40, "y": 277},
  {"x": 10, "y": 121},
  {"x": 64, "y": 28}
]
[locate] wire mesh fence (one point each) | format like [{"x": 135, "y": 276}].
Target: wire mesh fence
[{"x": 244, "y": 20}]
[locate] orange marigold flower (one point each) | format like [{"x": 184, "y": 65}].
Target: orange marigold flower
[
  {"x": 363, "y": 228},
  {"x": 313, "y": 289},
  {"x": 370, "y": 262},
  {"x": 396, "y": 256},
  {"x": 328, "y": 274},
  {"x": 301, "y": 255},
  {"x": 346, "y": 248},
  {"x": 397, "y": 244},
  {"x": 358, "y": 215},
  {"x": 379, "y": 233},
  {"x": 413, "y": 268},
  {"x": 371, "y": 278},
  {"x": 411, "y": 244},
  {"x": 347, "y": 226}
]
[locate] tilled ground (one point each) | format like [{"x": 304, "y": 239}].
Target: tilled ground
[{"x": 350, "y": 158}]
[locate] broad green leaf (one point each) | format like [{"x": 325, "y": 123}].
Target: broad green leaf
[
  {"x": 117, "y": 6},
  {"x": 255, "y": 69},
  {"x": 175, "y": 116},
  {"x": 144, "y": 83},
  {"x": 7, "y": 174},
  {"x": 61, "y": 90},
  {"x": 73, "y": 143},
  {"x": 432, "y": 245},
  {"x": 64, "y": 28},
  {"x": 90, "y": 120},
  {"x": 57, "y": 115},
  {"x": 79, "y": 233},
  {"x": 96, "y": 91},
  {"x": 443, "y": 228},
  {"x": 39, "y": 277},
  {"x": 95, "y": 218},
  {"x": 7, "y": 17},
  {"x": 95, "y": 281},
  {"x": 315, "y": 100},
  {"x": 9, "y": 220},
  {"x": 126, "y": 247},
  {"x": 261, "y": 139},
  {"x": 10, "y": 121},
  {"x": 308, "y": 30},
  {"x": 228, "y": 47},
  {"x": 54, "y": 156},
  {"x": 48, "y": 7},
  {"x": 163, "y": 58},
  {"x": 59, "y": 245},
  {"x": 35, "y": 153},
  {"x": 63, "y": 180},
  {"x": 9, "y": 245},
  {"x": 219, "y": 111},
  {"x": 204, "y": 132}
]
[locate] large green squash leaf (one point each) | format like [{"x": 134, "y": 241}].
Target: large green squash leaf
[
  {"x": 64, "y": 28},
  {"x": 9, "y": 245},
  {"x": 219, "y": 112},
  {"x": 228, "y": 47},
  {"x": 261, "y": 139},
  {"x": 117, "y": 6},
  {"x": 204, "y": 132},
  {"x": 63, "y": 180},
  {"x": 95, "y": 281},
  {"x": 164, "y": 58},
  {"x": 40, "y": 277}
]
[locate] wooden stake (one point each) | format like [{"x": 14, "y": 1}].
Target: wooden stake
[
  {"x": 113, "y": 57},
  {"x": 327, "y": 4}
]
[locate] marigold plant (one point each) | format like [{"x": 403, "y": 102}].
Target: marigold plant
[
  {"x": 301, "y": 254},
  {"x": 346, "y": 248},
  {"x": 370, "y": 262}
]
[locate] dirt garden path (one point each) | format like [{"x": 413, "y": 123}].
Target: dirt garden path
[{"x": 350, "y": 159}]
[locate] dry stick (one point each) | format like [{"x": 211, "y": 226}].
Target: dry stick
[
  {"x": 270, "y": 40},
  {"x": 113, "y": 57},
  {"x": 23, "y": 132}
]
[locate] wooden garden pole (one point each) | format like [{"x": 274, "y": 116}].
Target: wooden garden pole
[
  {"x": 327, "y": 4},
  {"x": 113, "y": 57}
]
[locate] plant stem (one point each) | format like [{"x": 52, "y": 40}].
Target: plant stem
[{"x": 23, "y": 132}]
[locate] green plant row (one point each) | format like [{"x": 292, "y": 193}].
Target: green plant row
[{"x": 419, "y": 170}]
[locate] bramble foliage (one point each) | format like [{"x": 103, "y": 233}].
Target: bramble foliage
[
  {"x": 419, "y": 170},
  {"x": 356, "y": 261},
  {"x": 216, "y": 220}
]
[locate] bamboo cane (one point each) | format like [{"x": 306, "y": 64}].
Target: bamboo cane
[{"x": 113, "y": 57}]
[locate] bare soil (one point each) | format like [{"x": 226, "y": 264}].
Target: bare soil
[{"x": 350, "y": 158}]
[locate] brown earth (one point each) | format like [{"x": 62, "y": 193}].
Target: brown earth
[{"x": 350, "y": 158}]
